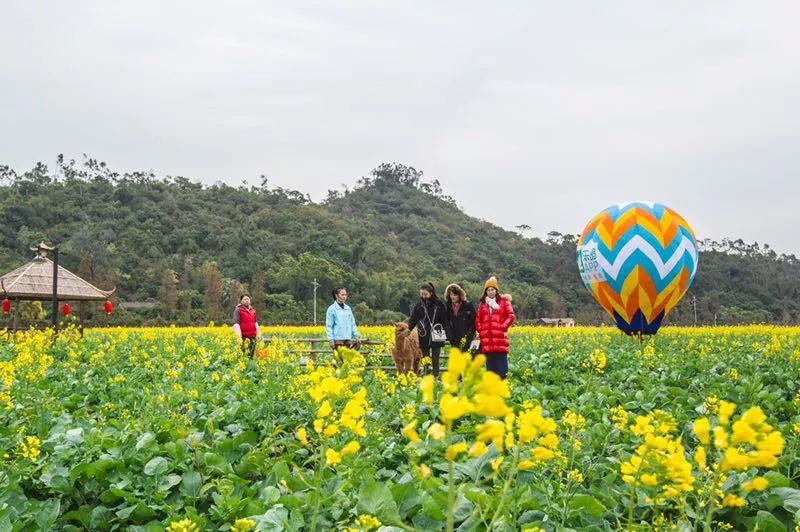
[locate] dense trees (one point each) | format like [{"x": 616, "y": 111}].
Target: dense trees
[{"x": 194, "y": 248}]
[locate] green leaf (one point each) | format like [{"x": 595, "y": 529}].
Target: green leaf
[
  {"x": 143, "y": 512},
  {"x": 46, "y": 517},
  {"x": 99, "y": 518},
  {"x": 275, "y": 520},
  {"x": 156, "y": 466},
  {"x": 125, "y": 513},
  {"x": 270, "y": 494},
  {"x": 168, "y": 482},
  {"x": 216, "y": 463},
  {"x": 766, "y": 522},
  {"x": 80, "y": 516},
  {"x": 74, "y": 436},
  {"x": 463, "y": 508},
  {"x": 376, "y": 499},
  {"x": 191, "y": 482},
  {"x": 144, "y": 439},
  {"x": 776, "y": 480},
  {"x": 408, "y": 497},
  {"x": 433, "y": 506},
  {"x": 788, "y": 498},
  {"x": 587, "y": 504}
]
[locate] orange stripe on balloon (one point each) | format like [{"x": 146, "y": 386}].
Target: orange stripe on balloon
[{"x": 621, "y": 229}]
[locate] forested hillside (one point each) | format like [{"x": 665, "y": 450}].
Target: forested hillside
[{"x": 192, "y": 249}]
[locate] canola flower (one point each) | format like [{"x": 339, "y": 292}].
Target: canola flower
[
  {"x": 341, "y": 407},
  {"x": 597, "y": 361},
  {"x": 30, "y": 448},
  {"x": 364, "y": 523},
  {"x": 619, "y": 417},
  {"x": 206, "y": 364},
  {"x": 243, "y": 525},
  {"x": 468, "y": 390},
  {"x": 184, "y": 525}
]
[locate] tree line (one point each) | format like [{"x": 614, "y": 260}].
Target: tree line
[{"x": 191, "y": 250}]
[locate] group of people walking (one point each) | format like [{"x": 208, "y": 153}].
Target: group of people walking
[
  {"x": 457, "y": 317},
  {"x": 454, "y": 320}
]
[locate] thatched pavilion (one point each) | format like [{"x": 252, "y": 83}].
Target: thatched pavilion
[{"x": 36, "y": 281}]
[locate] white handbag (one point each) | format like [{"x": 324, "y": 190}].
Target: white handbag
[
  {"x": 437, "y": 331},
  {"x": 437, "y": 334}
]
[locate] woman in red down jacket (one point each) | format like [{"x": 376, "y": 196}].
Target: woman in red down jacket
[{"x": 495, "y": 317}]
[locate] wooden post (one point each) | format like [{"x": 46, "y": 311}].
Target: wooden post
[
  {"x": 82, "y": 312},
  {"x": 15, "y": 321},
  {"x": 55, "y": 289}
]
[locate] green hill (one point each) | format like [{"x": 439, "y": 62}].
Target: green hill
[{"x": 193, "y": 249}]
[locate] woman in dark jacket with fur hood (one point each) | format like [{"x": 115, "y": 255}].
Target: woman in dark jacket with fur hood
[
  {"x": 430, "y": 317},
  {"x": 460, "y": 317}
]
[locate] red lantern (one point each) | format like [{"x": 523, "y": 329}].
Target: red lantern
[
  {"x": 6, "y": 306},
  {"x": 109, "y": 306},
  {"x": 66, "y": 309}
]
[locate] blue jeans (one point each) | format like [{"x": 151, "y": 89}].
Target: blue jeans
[{"x": 498, "y": 363}]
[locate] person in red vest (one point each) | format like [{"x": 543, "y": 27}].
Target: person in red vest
[{"x": 245, "y": 325}]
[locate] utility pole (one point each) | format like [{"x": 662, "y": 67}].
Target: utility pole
[{"x": 316, "y": 285}]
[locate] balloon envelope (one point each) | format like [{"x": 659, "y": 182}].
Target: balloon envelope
[{"x": 638, "y": 259}]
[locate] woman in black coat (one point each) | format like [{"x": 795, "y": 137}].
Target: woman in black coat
[
  {"x": 429, "y": 316},
  {"x": 460, "y": 317}
]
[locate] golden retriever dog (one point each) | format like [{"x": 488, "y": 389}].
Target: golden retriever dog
[{"x": 406, "y": 352}]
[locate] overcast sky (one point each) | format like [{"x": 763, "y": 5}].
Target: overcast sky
[{"x": 538, "y": 113}]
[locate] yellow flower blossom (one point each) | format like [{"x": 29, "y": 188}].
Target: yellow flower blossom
[
  {"x": 30, "y": 448},
  {"x": 351, "y": 448},
  {"x": 302, "y": 435},
  {"x": 478, "y": 449},
  {"x": 436, "y": 431},
  {"x": 702, "y": 428},
  {"x": 409, "y": 431},
  {"x": 455, "y": 449},
  {"x": 757, "y": 484},
  {"x": 184, "y": 525},
  {"x": 243, "y": 525},
  {"x": 426, "y": 385},
  {"x": 332, "y": 457},
  {"x": 732, "y": 500}
]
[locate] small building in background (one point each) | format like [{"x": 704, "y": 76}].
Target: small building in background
[{"x": 555, "y": 322}]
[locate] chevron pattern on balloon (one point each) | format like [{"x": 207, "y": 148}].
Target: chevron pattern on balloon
[{"x": 638, "y": 259}]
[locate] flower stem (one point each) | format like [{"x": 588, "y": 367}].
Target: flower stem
[
  {"x": 451, "y": 497},
  {"x": 630, "y": 507},
  {"x": 318, "y": 486},
  {"x": 506, "y": 486},
  {"x": 451, "y": 492}
]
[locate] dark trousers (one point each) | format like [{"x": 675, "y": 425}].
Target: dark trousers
[
  {"x": 434, "y": 353},
  {"x": 249, "y": 346},
  {"x": 497, "y": 363}
]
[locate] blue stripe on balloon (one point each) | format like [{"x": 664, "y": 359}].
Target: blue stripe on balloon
[{"x": 638, "y": 323}]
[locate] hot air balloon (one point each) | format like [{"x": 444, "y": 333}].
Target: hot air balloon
[{"x": 638, "y": 259}]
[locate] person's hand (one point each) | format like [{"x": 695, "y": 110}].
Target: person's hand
[
  {"x": 475, "y": 346},
  {"x": 333, "y": 346}
]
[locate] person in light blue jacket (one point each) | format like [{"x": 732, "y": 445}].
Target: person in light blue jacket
[{"x": 340, "y": 322}]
